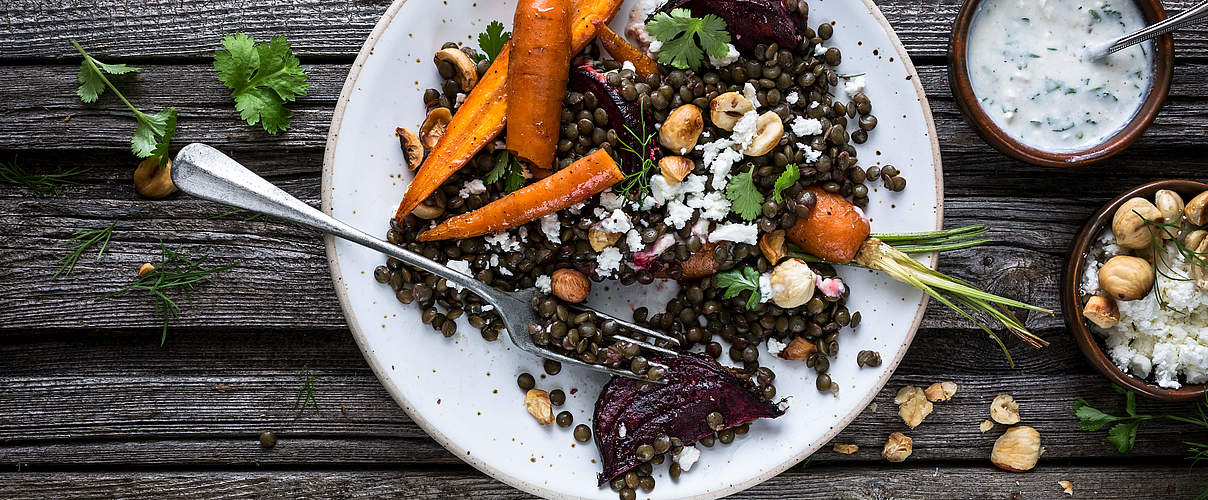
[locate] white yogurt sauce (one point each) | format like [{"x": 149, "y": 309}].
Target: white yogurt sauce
[{"x": 1028, "y": 69}]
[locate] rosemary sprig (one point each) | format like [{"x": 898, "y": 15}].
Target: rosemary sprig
[
  {"x": 639, "y": 180},
  {"x": 174, "y": 271},
  {"x": 83, "y": 239},
  {"x": 306, "y": 393},
  {"x": 42, "y": 184}
]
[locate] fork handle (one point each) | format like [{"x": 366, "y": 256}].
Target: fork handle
[{"x": 207, "y": 173}]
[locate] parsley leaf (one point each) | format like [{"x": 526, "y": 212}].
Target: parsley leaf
[
  {"x": 493, "y": 40},
  {"x": 787, "y": 178},
  {"x": 679, "y": 32},
  {"x": 515, "y": 180},
  {"x": 1090, "y": 418},
  {"x": 502, "y": 161},
  {"x": 153, "y": 134},
  {"x": 262, "y": 78},
  {"x": 1123, "y": 436},
  {"x": 737, "y": 281},
  {"x": 507, "y": 168},
  {"x": 744, "y": 197},
  {"x": 92, "y": 81}
]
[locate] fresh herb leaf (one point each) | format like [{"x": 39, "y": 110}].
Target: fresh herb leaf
[
  {"x": 92, "y": 79},
  {"x": 515, "y": 178},
  {"x": 83, "y": 239},
  {"x": 638, "y": 182},
  {"x": 1123, "y": 436},
  {"x": 493, "y": 40},
  {"x": 744, "y": 197},
  {"x": 502, "y": 162},
  {"x": 786, "y": 180},
  {"x": 1090, "y": 418},
  {"x": 507, "y": 168},
  {"x": 306, "y": 393},
  {"x": 737, "y": 281},
  {"x": 153, "y": 135},
  {"x": 686, "y": 39},
  {"x": 262, "y": 77},
  {"x": 43, "y": 184}
]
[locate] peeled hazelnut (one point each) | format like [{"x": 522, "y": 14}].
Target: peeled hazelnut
[
  {"x": 986, "y": 425},
  {"x": 412, "y": 147},
  {"x": 846, "y": 448},
  {"x": 675, "y": 168},
  {"x": 1196, "y": 211},
  {"x": 897, "y": 448},
  {"x": 1004, "y": 409},
  {"x": 681, "y": 129},
  {"x": 768, "y": 131},
  {"x": 792, "y": 283},
  {"x": 536, "y": 401},
  {"x": 915, "y": 407},
  {"x": 1017, "y": 450},
  {"x": 464, "y": 70},
  {"x": 1170, "y": 204},
  {"x": 905, "y": 394},
  {"x": 798, "y": 348},
  {"x": 570, "y": 285},
  {"x": 773, "y": 247},
  {"x": 1193, "y": 239},
  {"x": 434, "y": 126},
  {"x": 428, "y": 212},
  {"x": 152, "y": 180},
  {"x": 940, "y": 391},
  {"x": 726, "y": 109},
  {"x": 1066, "y": 487},
  {"x": 1126, "y": 278},
  {"x": 600, "y": 239},
  {"x": 1101, "y": 311},
  {"x": 1198, "y": 271},
  {"x": 145, "y": 269},
  {"x": 1128, "y": 224}
]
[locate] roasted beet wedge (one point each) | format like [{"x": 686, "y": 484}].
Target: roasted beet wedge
[
  {"x": 696, "y": 386},
  {"x": 750, "y": 22},
  {"x": 623, "y": 116}
]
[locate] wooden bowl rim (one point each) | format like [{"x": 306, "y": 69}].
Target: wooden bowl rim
[
  {"x": 962, "y": 92},
  {"x": 1088, "y": 341}
]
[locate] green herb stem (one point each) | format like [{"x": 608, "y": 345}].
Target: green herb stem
[
  {"x": 83, "y": 239},
  {"x": 101, "y": 74}
]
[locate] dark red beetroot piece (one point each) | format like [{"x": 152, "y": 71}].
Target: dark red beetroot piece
[
  {"x": 623, "y": 116},
  {"x": 696, "y": 386},
  {"x": 750, "y": 22}
]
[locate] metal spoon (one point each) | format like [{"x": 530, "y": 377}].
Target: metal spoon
[{"x": 1183, "y": 19}]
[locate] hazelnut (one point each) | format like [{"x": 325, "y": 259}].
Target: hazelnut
[
  {"x": 726, "y": 109},
  {"x": 1017, "y": 450},
  {"x": 1198, "y": 271},
  {"x": 1195, "y": 209},
  {"x": 768, "y": 131},
  {"x": 1004, "y": 409},
  {"x": 412, "y": 147},
  {"x": 1170, "y": 205},
  {"x": 914, "y": 406},
  {"x": 434, "y": 126},
  {"x": 675, "y": 168},
  {"x": 846, "y": 448},
  {"x": 536, "y": 401},
  {"x": 152, "y": 180},
  {"x": 600, "y": 239},
  {"x": 792, "y": 283},
  {"x": 1101, "y": 311},
  {"x": 773, "y": 247},
  {"x": 1129, "y": 226},
  {"x": 570, "y": 285},
  {"x": 1126, "y": 278},
  {"x": 1066, "y": 487},
  {"x": 940, "y": 391},
  {"x": 428, "y": 212},
  {"x": 145, "y": 269},
  {"x": 464, "y": 70},
  {"x": 798, "y": 348},
  {"x": 897, "y": 447},
  {"x": 1192, "y": 239},
  {"x": 986, "y": 425},
  {"x": 681, "y": 129}
]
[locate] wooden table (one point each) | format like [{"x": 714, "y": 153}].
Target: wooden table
[{"x": 91, "y": 404}]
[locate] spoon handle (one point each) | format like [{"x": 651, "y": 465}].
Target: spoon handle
[{"x": 1186, "y": 18}]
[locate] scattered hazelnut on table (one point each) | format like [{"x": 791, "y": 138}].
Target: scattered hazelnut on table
[
  {"x": 986, "y": 425},
  {"x": 913, "y": 405},
  {"x": 1004, "y": 409},
  {"x": 897, "y": 448},
  {"x": 1067, "y": 487},
  {"x": 145, "y": 269},
  {"x": 940, "y": 391},
  {"x": 152, "y": 180},
  {"x": 846, "y": 448},
  {"x": 1017, "y": 450}
]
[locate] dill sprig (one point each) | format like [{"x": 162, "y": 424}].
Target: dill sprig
[
  {"x": 83, "y": 240},
  {"x": 639, "y": 180},
  {"x": 1158, "y": 233},
  {"x": 306, "y": 393},
  {"x": 42, "y": 184},
  {"x": 175, "y": 271}
]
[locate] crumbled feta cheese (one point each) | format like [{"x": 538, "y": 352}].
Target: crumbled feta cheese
[
  {"x": 505, "y": 271},
  {"x": 494, "y": 260},
  {"x": 543, "y": 283},
  {"x": 792, "y": 97},
  {"x": 611, "y": 200},
  {"x": 741, "y": 233},
  {"x": 765, "y": 294},
  {"x": 678, "y": 214},
  {"x": 552, "y": 227},
  {"x": 819, "y": 50},
  {"x": 633, "y": 239},
  {"x": 811, "y": 155},
  {"x": 687, "y": 457},
  {"x": 713, "y": 205},
  {"x": 775, "y": 346},
  {"x": 746, "y": 129},
  {"x": 701, "y": 229},
  {"x": 728, "y": 59},
  {"x": 503, "y": 241},
  {"x": 655, "y": 47},
  {"x": 616, "y": 222},
  {"x": 608, "y": 262},
  {"x": 471, "y": 187},
  {"x": 720, "y": 157},
  {"x": 803, "y": 126},
  {"x": 751, "y": 94},
  {"x": 488, "y": 308},
  {"x": 459, "y": 100},
  {"x": 576, "y": 208},
  {"x": 622, "y": 431},
  {"x": 461, "y": 266},
  {"x": 854, "y": 85}
]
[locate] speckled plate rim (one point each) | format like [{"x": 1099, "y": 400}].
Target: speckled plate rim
[{"x": 382, "y": 372}]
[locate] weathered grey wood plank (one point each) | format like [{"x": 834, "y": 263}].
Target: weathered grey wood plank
[
  {"x": 818, "y": 481},
  {"x": 192, "y": 29}
]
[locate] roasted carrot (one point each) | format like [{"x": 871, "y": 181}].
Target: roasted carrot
[
  {"x": 481, "y": 117},
  {"x": 622, "y": 50},
  {"x": 834, "y": 230},
  {"x": 537, "y": 75},
  {"x": 581, "y": 180}
]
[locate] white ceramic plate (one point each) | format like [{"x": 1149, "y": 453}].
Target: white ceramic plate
[{"x": 462, "y": 390}]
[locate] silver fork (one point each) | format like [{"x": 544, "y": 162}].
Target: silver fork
[{"x": 207, "y": 173}]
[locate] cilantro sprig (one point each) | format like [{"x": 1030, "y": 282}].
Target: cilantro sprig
[
  {"x": 745, "y": 198},
  {"x": 736, "y": 281},
  {"x": 786, "y": 180},
  {"x": 509, "y": 169},
  {"x": 492, "y": 41},
  {"x": 686, "y": 39},
  {"x": 263, "y": 77},
  {"x": 153, "y": 134},
  {"x": 1123, "y": 432}
]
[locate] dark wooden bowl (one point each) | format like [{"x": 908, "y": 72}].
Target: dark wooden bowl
[
  {"x": 962, "y": 91},
  {"x": 1071, "y": 300}
]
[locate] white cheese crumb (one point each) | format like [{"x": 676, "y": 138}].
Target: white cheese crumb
[
  {"x": 819, "y": 50},
  {"x": 677, "y": 214},
  {"x": 622, "y": 431},
  {"x": 552, "y": 227},
  {"x": 811, "y": 155},
  {"x": 503, "y": 241},
  {"x": 751, "y": 94},
  {"x": 713, "y": 205},
  {"x": 461, "y": 266},
  {"x": 728, "y": 59},
  {"x": 629, "y": 66},
  {"x": 608, "y": 262},
  {"x": 746, "y": 129},
  {"x": 803, "y": 126},
  {"x": 611, "y": 200},
  {"x": 741, "y": 233},
  {"x": 471, "y": 187},
  {"x": 655, "y": 47},
  {"x": 616, "y": 222},
  {"x": 854, "y": 85},
  {"x": 633, "y": 239},
  {"x": 765, "y": 294},
  {"x": 687, "y": 457},
  {"x": 775, "y": 346},
  {"x": 792, "y": 97},
  {"x": 543, "y": 283}
]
